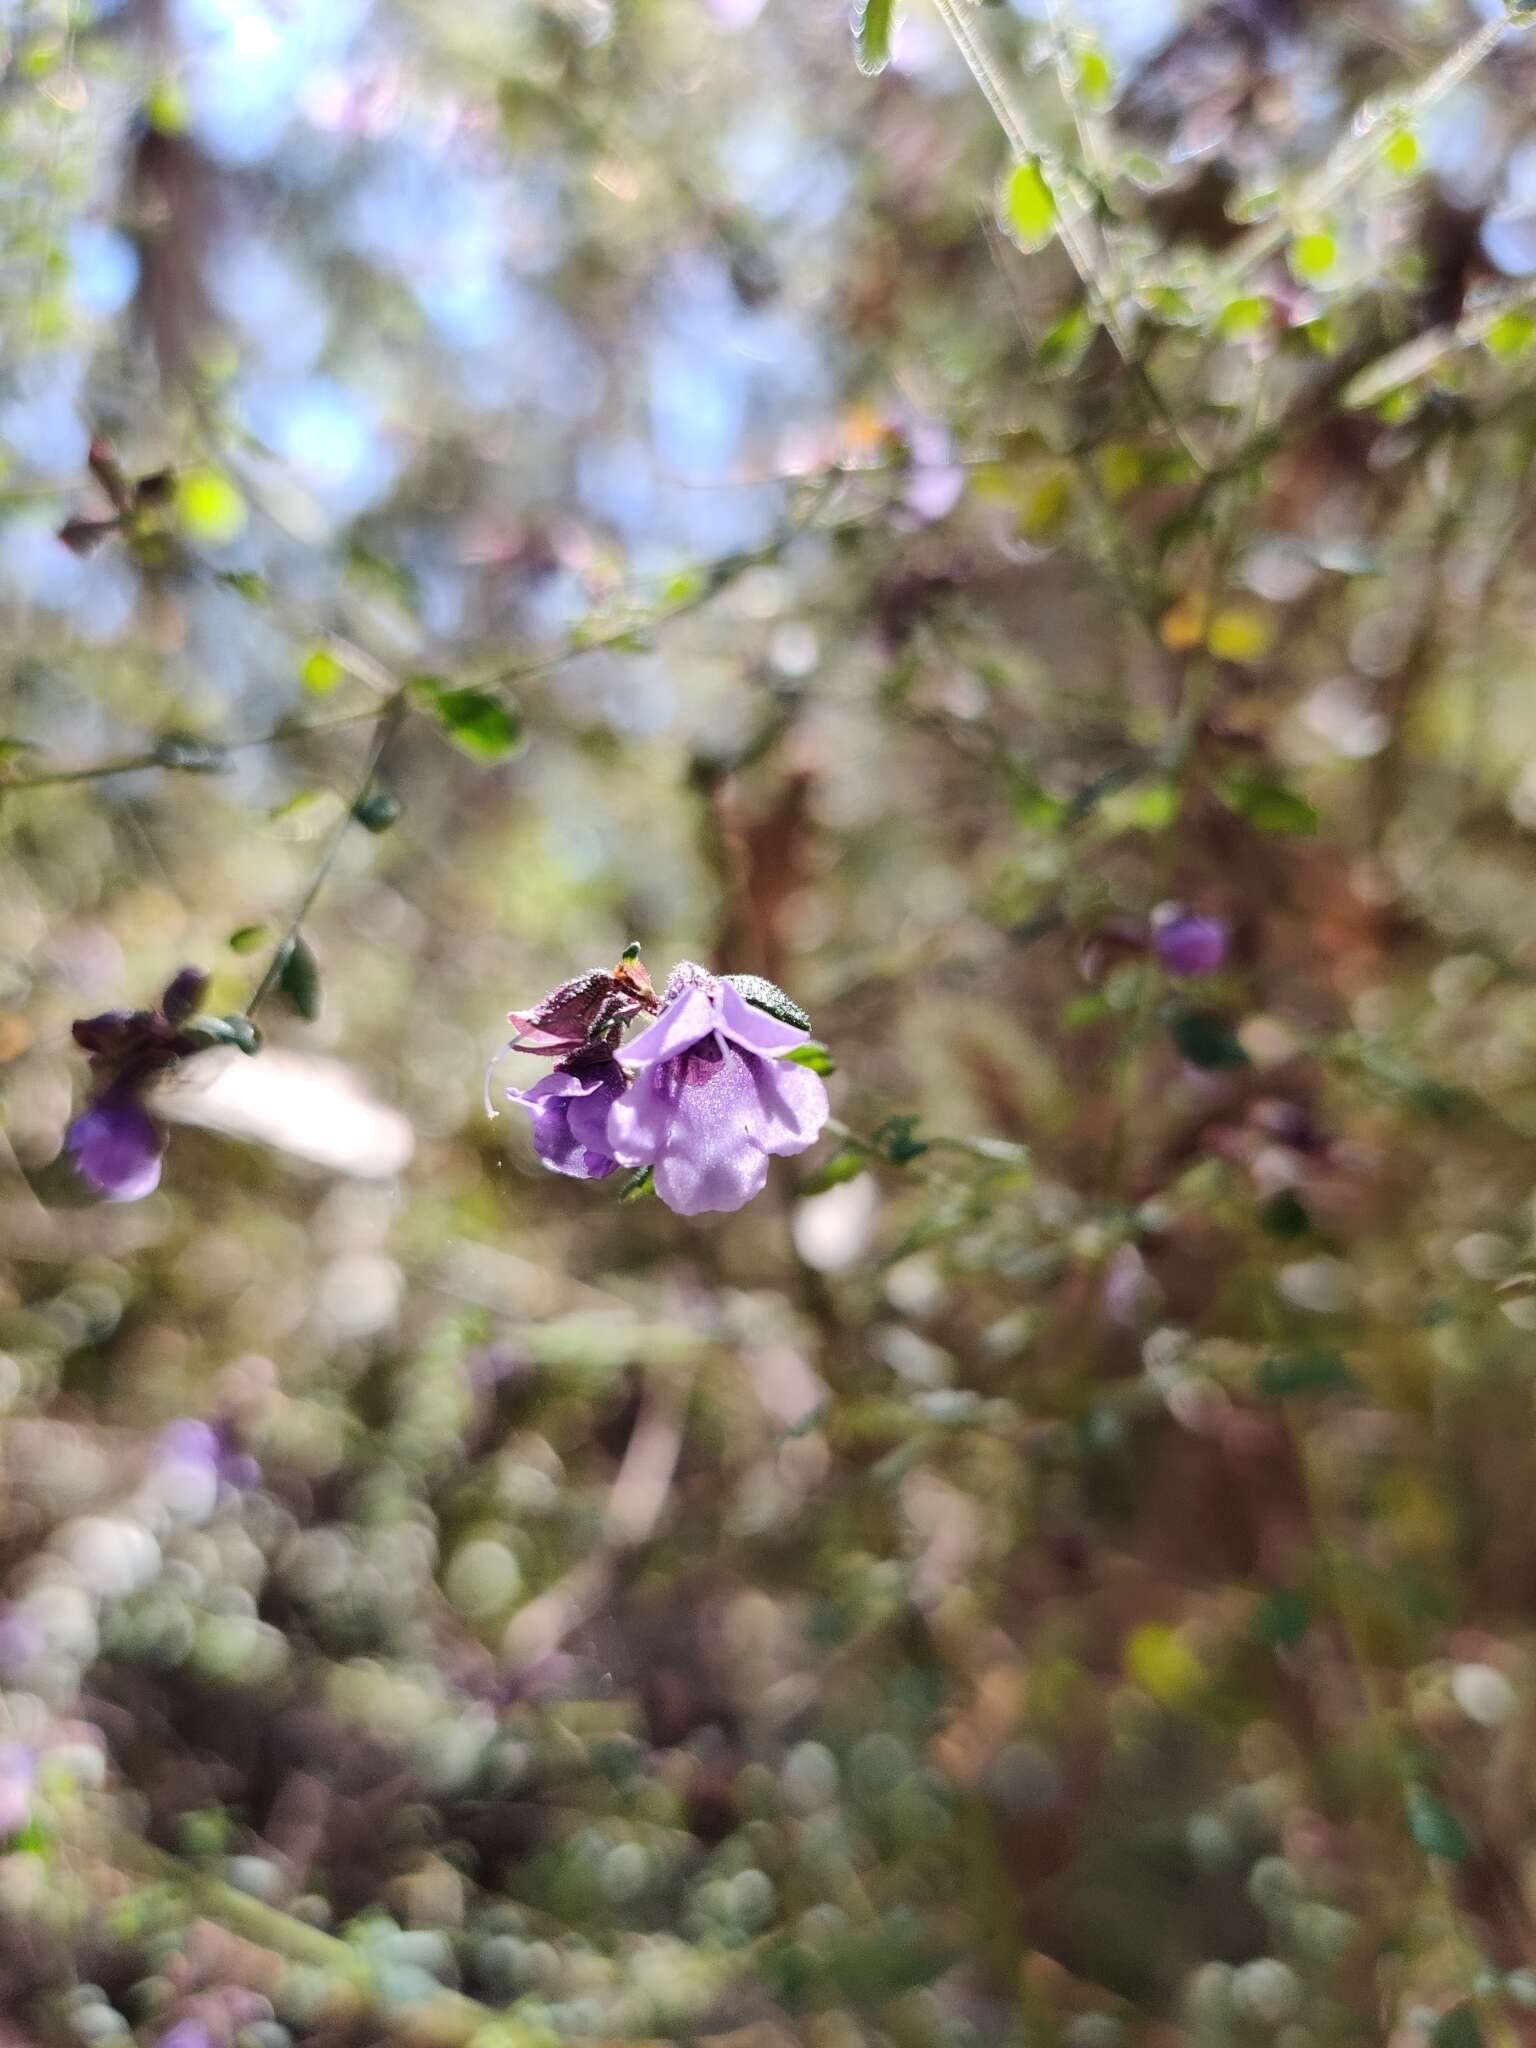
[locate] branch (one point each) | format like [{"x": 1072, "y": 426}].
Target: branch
[
  {"x": 389, "y": 724},
  {"x": 1351, "y": 156}
]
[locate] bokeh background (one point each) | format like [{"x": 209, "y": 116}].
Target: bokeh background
[{"x": 1059, "y": 1567}]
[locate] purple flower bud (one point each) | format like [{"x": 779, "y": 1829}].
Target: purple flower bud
[
  {"x": 711, "y": 1100},
  {"x": 183, "y": 995},
  {"x": 116, "y": 1147},
  {"x": 1188, "y": 944},
  {"x": 570, "y": 1114}
]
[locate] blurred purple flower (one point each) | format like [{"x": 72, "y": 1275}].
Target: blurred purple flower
[
  {"x": 117, "y": 1147},
  {"x": 15, "y": 1788},
  {"x": 210, "y": 1447},
  {"x": 21, "y": 1640},
  {"x": 1190, "y": 945},
  {"x": 711, "y": 1101},
  {"x": 934, "y": 485},
  {"x": 570, "y": 1114},
  {"x": 186, "y": 2034},
  {"x": 115, "y": 1143}
]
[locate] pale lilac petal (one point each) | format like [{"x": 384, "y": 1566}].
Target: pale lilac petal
[
  {"x": 712, "y": 1183},
  {"x": 751, "y": 1027},
  {"x": 793, "y": 1106},
  {"x": 685, "y": 1020},
  {"x": 568, "y": 1108}
]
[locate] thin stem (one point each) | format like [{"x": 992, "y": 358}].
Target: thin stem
[
  {"x": 1352, "y": 155},
  {"x": 713, "y": 578},
  {"x": 1071, "y": 223},
  {"x": 135, "y": 764},
  {"x": 389, "y": 724}
]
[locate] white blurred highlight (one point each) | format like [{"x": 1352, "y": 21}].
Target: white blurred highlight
[{"x": 313, "y": 1109}]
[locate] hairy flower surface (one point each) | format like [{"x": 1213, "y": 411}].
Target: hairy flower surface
[{"x": 712, "y": 1100}]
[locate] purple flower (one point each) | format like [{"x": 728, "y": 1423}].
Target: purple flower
[
  {"x": 1188, "y": 944},
  {"x": 209, "y": 1449},
  {"x": 115, "y": 1143},
  {"x": 710, "y": 1100},
  {"x": 570, "y": 1114},
  {"x": 117, "y": 1147}
]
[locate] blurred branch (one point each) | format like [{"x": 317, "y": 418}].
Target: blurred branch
[
  {"x": 1071, "y": 220},
  {"x": 390, "y": 721},
  {"x": 1355, "y": 153}
]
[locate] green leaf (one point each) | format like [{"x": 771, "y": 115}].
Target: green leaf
[
  {"x": 320, "y": 672},
  {"x": 763, "y": 995},
  {"x": 874, "y": 21},
  {"x": 1314, "y": 257},
  {"x": 1095, "y": 78},
  {"x": 897, "y": 1139},
  {"x": 1282, "y": 1617},
  {"x": 1434, "y": 1827},
  {"x": 1303, "y": 1372},
  {"x": 478, "y": 722},
  {"x": 1285, "y": 1216},
  {"x": 210, "y": 507},
  {"x": 299, "y": 979},
  {"x": 1029, "y": 205},
  {"x": 1400, "y": 152},
  {"x": 245, "y": 583},
  {"x": 1269, "y": 806},
  {"x": 1065, "y": 345},
  {"x": 812, "y": 1054},
  {"x": 1458, "y": 2027},
  {"x": 376, "y": 813},
  {"x": 1207, "y": 1040},
  {"x": 847, "y": 1163},
  {"x": 1511, "y": 335},
  {"x": 250, "y": 938},
  {"x": 638, "y": 1185},
  {"x": 12, "y": 750}
]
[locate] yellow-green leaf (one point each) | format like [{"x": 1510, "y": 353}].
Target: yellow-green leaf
[
  {"x": 320, "y": 671},
  {"x": 209, "y": 506},
  {"x": 1029, "y": 205}
]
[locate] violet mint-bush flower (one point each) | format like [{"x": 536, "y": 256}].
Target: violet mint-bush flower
[
  {"x": 115, "y": 1143},
  {"x": 712, "y": 1098},
  {"x": 570, "y": 1109}
]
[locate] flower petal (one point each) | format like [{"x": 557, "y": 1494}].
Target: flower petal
[
  {"x": 690, "y": 1016},
  {"x": 754, "y": 1028},
  {"x": 794, "y": 1106}
]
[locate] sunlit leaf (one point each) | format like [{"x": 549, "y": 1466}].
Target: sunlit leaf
[
  {"x": 250, "y": 938},
  {"x": 814, "y": 1055},
  {"x": 485, "y": 726},
  {"x": 209, "y": 506},
  {"x": 874, "y": 23},
  {"x": 320, "y": 671},
  {"x": 1029, "y": 205},
  {"x": 1314, "y": 257}
]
